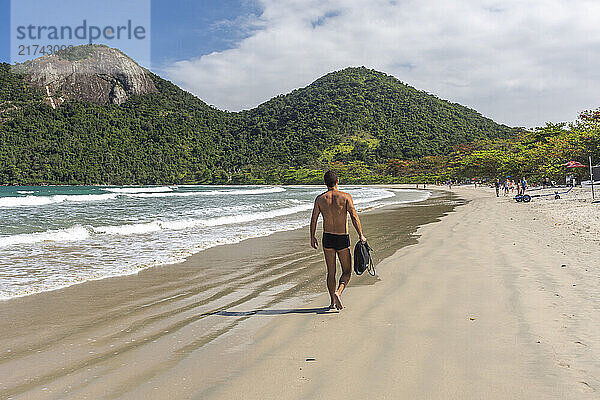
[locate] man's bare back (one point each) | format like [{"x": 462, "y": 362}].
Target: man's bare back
[{"x": 335, "y": 206}]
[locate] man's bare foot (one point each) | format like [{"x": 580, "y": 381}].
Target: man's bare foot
[
  {"x": 338, "y": 301},
  {"x": 331, "y": 306}
]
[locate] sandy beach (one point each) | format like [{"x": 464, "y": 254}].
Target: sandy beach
[
  {"x": 495, "y": 300},
  {"x": 183, "y": 185}
]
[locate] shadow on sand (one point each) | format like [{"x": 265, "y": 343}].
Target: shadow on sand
[{"x": 320, "y": 310}]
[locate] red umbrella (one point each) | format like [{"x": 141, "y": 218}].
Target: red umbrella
[{"x": 574, "y": 164}]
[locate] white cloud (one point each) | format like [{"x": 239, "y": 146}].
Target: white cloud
[{"x": 518, "y": 62}]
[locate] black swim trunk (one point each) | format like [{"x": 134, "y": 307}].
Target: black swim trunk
[{"x": 337, "y": 242}]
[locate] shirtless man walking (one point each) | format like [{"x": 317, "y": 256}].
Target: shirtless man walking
[{"x": 334, "y": 206}]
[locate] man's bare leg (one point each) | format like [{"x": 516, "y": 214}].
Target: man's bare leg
[
  {"x": 330, "y": 261},
  {"x": 346, "y": 261}
]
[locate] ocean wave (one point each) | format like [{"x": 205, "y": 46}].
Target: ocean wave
[
  {"x": 37, "y": 263},
  {"x": 128, "y": 229},
  {"x": 13, "y": 287},
  {"x": 235, "y": 192},
  {"x": 31, "y": 201},
  {"x": 148, "y": 227},
  {"x": 130, "y": 190},
  {"x": 241, "y": 217},
  {"x": 75, "y": 233},
  {"x": 236, "y": 219},
  {"x": 154, "y": 226},
  {"x": 381, "y": 194},
  {"x": 277, "y": 189},
  {"x": 82, "y": 233},
  {"x": 162, "y": 194},
  {"x": 163, "y": 191},
  {"x": 27, "y": 201}
]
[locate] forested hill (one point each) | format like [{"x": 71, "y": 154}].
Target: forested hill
[
  {"x": 351, "y": 120},
  {"x": 359, "y": 104},
  {"x": 167, "y": 136}
]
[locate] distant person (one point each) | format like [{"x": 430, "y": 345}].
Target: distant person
[
  {"x": 335, "y": 206},
  {"x": 497, "y": 185},
  {"x": 523, "y": 185},
  {"x": 507, "y": 187}
]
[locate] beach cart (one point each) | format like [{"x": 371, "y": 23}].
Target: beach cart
[{"x": 526, "y": 198}]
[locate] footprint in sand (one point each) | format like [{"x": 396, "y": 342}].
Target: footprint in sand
[{"x": 585, "y": 387}]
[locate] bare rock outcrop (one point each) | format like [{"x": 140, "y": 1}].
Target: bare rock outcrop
[{"x": 94, "y": 73}]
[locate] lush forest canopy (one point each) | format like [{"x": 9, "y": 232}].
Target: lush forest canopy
[
  {"x": 534, "y": 154},
  {"x": 368, "y": 126}
]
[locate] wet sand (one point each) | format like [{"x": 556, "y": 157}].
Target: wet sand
[
  {"x": 498, "y": 300},
  {"x": 181, "y": 330}
]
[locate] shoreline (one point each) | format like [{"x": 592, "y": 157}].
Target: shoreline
[
  {"x": 184, "y": 259},
  {"x": 500, "y": 317},
  {"x": 275, "y": 270},
  {"x": 494, "y": 300}
]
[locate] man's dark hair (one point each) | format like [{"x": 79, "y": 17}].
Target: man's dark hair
[{"x": 330, "y": 178}]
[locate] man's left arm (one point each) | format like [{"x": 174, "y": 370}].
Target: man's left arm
[{"x": 354, "y": 217}]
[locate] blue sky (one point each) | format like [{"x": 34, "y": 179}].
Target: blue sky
[
  {"x": 185, "y": 29},
  {"x": 181, "y": 29},
  {"x": 518, "y": 62},
  {"x": 4, "y": 30}
]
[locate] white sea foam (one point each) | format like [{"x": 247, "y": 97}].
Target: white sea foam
[
  {"x": 129, "y": 229},
  {"x": 380, "y": 194},
  {"x": 137, "y": 189},
  {"x": 154, "y": 226},
  {"x": 55, "y": 235},
  {"x": 163, "y": 194},
  {"x": 229, "y": 209},
  {"x": 233, "y": 192},
  {"x": 82, "y": 233},
  {"x": 27, "y": 201},
  {"x": 25, "y": 191},
  {"x": 237, "y": 219},
  {"x": 66, "y": 279},
  {"x": 237, "y": 192},
  {"x": 32, "y": 201}
]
